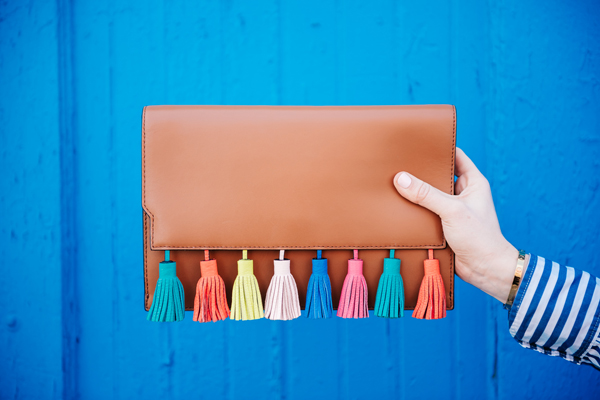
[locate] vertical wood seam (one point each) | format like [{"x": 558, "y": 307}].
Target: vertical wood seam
[
  {"x": 114, "y": 292},
  {"x": 68, "y": 203},
  {"x": 491, "y": 317}
]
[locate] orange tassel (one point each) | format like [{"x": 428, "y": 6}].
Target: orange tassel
[
  {"x": 432, "y": 295},
  {"x": 210, "y": 303}
]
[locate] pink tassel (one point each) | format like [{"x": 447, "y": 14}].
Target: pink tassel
[
  {"x": 354, "y": 301},
  {"x": 282, "y": 300}
]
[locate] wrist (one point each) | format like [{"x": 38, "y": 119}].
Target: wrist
[{"x": 497, "y": 272}]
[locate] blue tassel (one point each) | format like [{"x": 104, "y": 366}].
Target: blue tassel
[
  {"x": 390, "y": 291},
  {"x": 318, "y": 296},
  {"x": 168, "y": 303}
]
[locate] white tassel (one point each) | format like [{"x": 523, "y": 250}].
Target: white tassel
[{"x": 282, "y": 302}]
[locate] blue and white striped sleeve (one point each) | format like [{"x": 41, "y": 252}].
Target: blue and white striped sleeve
[{"x": 556, "y": 312}]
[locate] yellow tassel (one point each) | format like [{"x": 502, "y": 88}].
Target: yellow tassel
[{"x": 246, "y": 301}]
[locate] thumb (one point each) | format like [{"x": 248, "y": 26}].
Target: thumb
[{"x": 422, "y": 193}]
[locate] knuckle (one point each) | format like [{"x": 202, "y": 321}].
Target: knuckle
[
  {"x": 422, "y": 193},
  {"x": 485, "y": 182}
]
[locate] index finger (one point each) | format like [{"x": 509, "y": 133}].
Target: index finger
[{"x": 463, "y": 164}]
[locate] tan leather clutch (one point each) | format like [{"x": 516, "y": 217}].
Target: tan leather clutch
[{"x": 300, "y": 178}]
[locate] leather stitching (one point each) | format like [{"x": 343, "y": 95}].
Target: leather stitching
[
  {"x": 146, "y": 289},
  {"x": 453, "y": 150},
  {"x": 144, "y": 178}
]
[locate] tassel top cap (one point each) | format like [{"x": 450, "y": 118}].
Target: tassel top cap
[
  {"x": 432, "y": 267},
  {"x": 319, "y": 266},
  {"x": 167, "y": 269},
  {"x": 391, "y": 266},
  {"x": 208, "y": 268},
  {"x": 245, "y": 267},
  {"x": 282, "y": 267},
  {"x": 355, "y": 267}
]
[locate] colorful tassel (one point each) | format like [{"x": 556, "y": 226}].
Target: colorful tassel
[
  {"x": 210, "y": 303},
  {"x": 318, "y": 295},
  {"x": 246, "y": 301},
  {"x": 168, "y": 303},
  {"x": 431, "y": 303},
  {"x": 390, "y": 291},
  {"x": 282, "y": 302},
  {"x": 354, "y": 298}
]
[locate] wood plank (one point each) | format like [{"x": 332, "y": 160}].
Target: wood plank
[{"x": 31, "y": 234}]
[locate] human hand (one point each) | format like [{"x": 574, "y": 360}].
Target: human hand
[{"x": 484, "y": 258}]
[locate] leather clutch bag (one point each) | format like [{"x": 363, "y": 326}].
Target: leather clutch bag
[{"x": 300, "y": 178}]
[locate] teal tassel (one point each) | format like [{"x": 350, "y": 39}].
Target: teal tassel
[
  {"x": 390, "y": 292},
  {"x": 168, "y": 304}
]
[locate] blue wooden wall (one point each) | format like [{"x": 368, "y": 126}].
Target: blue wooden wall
[{"x": 74, "y": 76}]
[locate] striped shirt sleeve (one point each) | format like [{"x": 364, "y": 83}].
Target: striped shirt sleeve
[{"x": 556, "y": 312}]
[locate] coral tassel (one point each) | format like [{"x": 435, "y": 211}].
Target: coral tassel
[
  {"x": 210, "y": 303},
  {"x": 390, "y": 292},
  {"x": 354, "y": 298},
  {"x": 246, "y": 301},
  {"x": 282, "y": 300},
  {"x": 431, "y": 303},
  {"x": 318, "y": 295},
  {"x": 168, "y": 303}
]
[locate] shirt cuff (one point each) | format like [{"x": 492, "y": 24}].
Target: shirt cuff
[{"x": 556, "y": 312}]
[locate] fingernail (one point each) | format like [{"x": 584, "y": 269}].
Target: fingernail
[{"x": 404, "y": 180}]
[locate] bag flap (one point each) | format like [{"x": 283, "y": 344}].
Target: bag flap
[{"x": 293, "y": 177}]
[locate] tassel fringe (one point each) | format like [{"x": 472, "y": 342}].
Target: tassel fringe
[
  {"x": 210, "y": 303},
  {"x": 246, "y": 303},
  {"x": 431, "y": 303},
  {"x": 354, "y": 300},
  {"x": 390, "y": 291},
  {"x": 318, "y": 295},
  {"x": 168, "y": 304}
]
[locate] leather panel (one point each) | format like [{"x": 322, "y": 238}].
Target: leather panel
[{"x": 293, "y": 177}]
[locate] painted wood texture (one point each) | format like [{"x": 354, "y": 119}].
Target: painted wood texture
[{"x": 74, "y": 76}]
